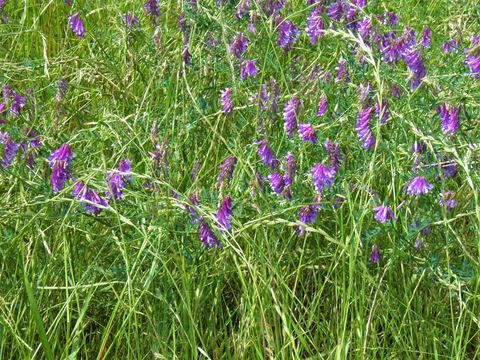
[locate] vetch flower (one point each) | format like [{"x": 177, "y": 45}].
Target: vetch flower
[
  {"x": 364, "y": 132},
  {"x": 266, "y": 154},
  {"x": 77, "y": 26},
  {"x": 307, "y": 133},
  {"x": 382, "y": 111},
  {"x": 322, "y": 106},
  {"x": 94, "y": 203},
  {"x": 116, "y": 179},
  {"x": 415, "y": 66},
  {"x": 224, "y": 214},
  {"x": 226, "y": 169},
  {"x": 449, "y": 118},
  {"x": 238, "y": 45},
  {"x": 277, "y": 182},
  {"x": 383, "y": 214},
  {"x": 365, "y": 28},
  {"x": 242, "y": 8},
  {"x": 375, "y": 255},
  {"x": 322, "y": 177},
  {"x": 226, "y": 100},
  {"x": 426, "y": 37},
  {"x": 287, "y": 35},
  {"x": 447, "y": 200},
  {"x": 248, "y": 69},
  {"x": 160, "y": 157},
  {"x": 342, "y": 71},
  {"x": 418, "y": 186},
  {"x": 290, "y": 165},
  {"x": 207, "y": 237},
  {"x": 333, "y": 151},
  {"x": 130, "y": 19},
  {"x": 10, "y": 149},
  {"x": 315, "y": 27},
  {"x": 152, "y": 8},
  {"x": 290, "y": 113},
  {"x": 59, "y": 162},
  {"x": 337, "y": 9}
]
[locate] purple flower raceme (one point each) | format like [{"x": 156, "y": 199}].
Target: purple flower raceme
[
  {"x": 322, "y": 106},
  {"x": 94, "y": 203},
  {"x": 266, "y": 154},
  {"x": 382, "y": 111},
  {"x": 277, "y": 182},
  {"x": 242, "y": 8},
  {"x": 364, "y": 92},
  {"x": 337, "y": 9},
  {"x": 307, "y": 133},
  {"x": 365, "y": 28},
  {"x": 290, "y": 165},
  {"x": 287, "y": 35},
  {"x": 10, "y": 149},
  {"x": 272, "y": 7},
  {"x": 473, "y": 57},
  {"x": 207, "y": 237},
  {"x": 130, "y": 19},
  {"x": 342, "y": 71},
  {"x": 248, "y": 69},
  {"x": 13, "y": 100},
  {"x": 375, "y": 255},
  {"x": 226, "y": 101},
  {"x": 308, "y": 213},
  {"x": 224, "y": 214},
  {"x": 33, "y": 141},
  {"x": 364, "y": 132},
  {"x": 160, "y": 157},
  {"x": 415, "y": 66},
  {"x": 251, "y": 25},
  {"x": 59, "y": 162},
  {"x": 290, "y": 113},
  {"x": 447, "y": 200},
  {"x": 449, "y": 118},
  {"x": 116, "y": 179},
  {"x": 383, "y": 214},
  {"x": 226, "y": 169},
  {"x": 152, "y": 8},
  {"x": 322, "y": 177},
  {"x": 334, "y": 156},
  {"x": 77, "y": 26},
  {"x": 418, "y": 186},
  {"x": 238, "y": 45},
  {"x": 449, "y": 168},
  {"x": 426, "y": 37},
  {"x": 450, "y": 46},
  {"x": 315, "y": 27}
]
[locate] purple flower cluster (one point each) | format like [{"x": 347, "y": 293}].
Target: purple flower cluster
[
  {"x": 290, "y": 113},
  {"x": 449, "y": 118},
  {"x": 238, "y": 45},
  {"x": 364, "y": 132},
  {"x": 12, "y": 100},
  {"x": 10, "y": 149},
  {"x": 288, "y": 34},
  {"x": 226, "y": 101},
  {"x": 76, "y": 24},
  {"x": 315, "y": 26},
  {"x": 117, "y": 178},
  {"x": 94, "y": 203},
  {"x": 59, "y": 162},
  {"x": 473, "y": 57}
]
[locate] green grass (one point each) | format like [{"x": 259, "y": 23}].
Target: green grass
[{"x": 135, "y": 282}]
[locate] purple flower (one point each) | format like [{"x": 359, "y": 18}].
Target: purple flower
[
  {"x": 337, "y": 9},
  {"x": 290, "y": 113},
  {"x": 226, "y": 100},
  {"x": 59, "y": 162},
  {"x": 290, "y": 165},
  {"x": 207, "y": 237},
  {"x": 130, "y": 19},
  {"x": 322, "y": 106},
  {"x": 418, "y": 186},
  {"x": 251, "y": 25},
  {"x": 152, "y": 8},
  {"x": 242, "y": 8},
  {"x": 193, "y": 198},
  {"x": 449, "y": 118},
  {"x": 116, "y": 179},
  {"x": 277, "y": 182},
  {"x": 375, "y": 255},
  {"x": 160, "y": 157},
  {"x": 390, "y": 18},
  {"x": 287, "y": 35},
  {"x": 383, "y": 214},
  {"x": 61, "y": 90},
  {"x": 447, "y": 200},
  {"x": 333, "y": 151},
  {"x": 10, "y": 149},
  {"x": 342, "y": 71},
  {"x": 266, "y": 154},
  {"x": 396, "y": 91},
  {"x": 449, "y": 168},
  {"x": 382, "y": 112},
  {"x": 76, "y": 24},
  {"x": 94, "y": 203},
  {"x": 365, "y": 28},
  {"x": 307, "y": 133},
  {"x": 450, "y": 46},
  {"x": 226, "y": 169},
  {"x": 224, "y": 214},
  {"x": 308, "y": 213},
  {"x": 426, "y": 37},
  {"x": 415, "y": 66},
  {"x": 364, "y": 91},
  {"x": 248, "y": 69},
  {"x": 473, "y": 62},
  {"x": 238, "y": 45},
  {"x": 322, "y": 177},
  {"x": 314, "y": 28},
  {"x": 364, "y": 132},
  {"x": 272, "y": 7}
]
